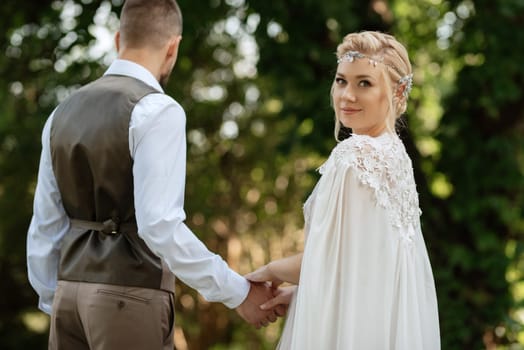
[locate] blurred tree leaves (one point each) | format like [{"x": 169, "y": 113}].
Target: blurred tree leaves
[
  {"x": 483, "y": 128},
  {"x": 254, "y": 79}
]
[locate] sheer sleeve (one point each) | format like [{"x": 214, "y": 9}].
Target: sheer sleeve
[{"x": 308, "y": 207}]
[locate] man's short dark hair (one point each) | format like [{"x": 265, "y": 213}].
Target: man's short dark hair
[{"x": 149, "y": 22}]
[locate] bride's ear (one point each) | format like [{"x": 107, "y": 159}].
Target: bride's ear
[{"x": 400, "y": 91}]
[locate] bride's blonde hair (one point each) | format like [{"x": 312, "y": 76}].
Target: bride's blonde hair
[{"x": 384, "y": 50}]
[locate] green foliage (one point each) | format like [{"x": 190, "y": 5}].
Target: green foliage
[
  {"x": 484, "y": 123},
  {"x": 29, "y": 43},
  {"x": 259, "y": 123}
]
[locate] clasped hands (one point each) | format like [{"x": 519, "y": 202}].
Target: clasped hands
[{"x": 266, "y": 300}]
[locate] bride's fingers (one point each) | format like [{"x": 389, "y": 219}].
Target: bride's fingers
[
  {"x": 259, "y": 275},
  {"x": 276, "y": 283},
  {"x": 271, "y": 303},
  {"x": 254, "y": 277}
]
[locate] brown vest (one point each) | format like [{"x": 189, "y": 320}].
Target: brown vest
[{"x": 93, "y": 170}]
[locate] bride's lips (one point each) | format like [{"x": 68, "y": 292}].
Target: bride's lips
[{"x": 349, "y": 110}]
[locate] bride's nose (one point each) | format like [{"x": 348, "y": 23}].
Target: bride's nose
[{"x": 349, "y": 94}]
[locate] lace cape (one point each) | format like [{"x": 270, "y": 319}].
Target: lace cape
[
  {"x": 382, "y": 165},
  {"x": 379, "y": 275}
]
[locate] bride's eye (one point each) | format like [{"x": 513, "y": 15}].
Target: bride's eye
[
  {"x": 364, "y": 83},
  {"x": 339, "y": 81}
]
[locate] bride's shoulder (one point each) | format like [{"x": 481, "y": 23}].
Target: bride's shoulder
[
  {"x": 368, "y": 154},
  {"x": 363, "y": 148},
  {"x": 366, "y": 142}
]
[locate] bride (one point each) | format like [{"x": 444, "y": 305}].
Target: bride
[{"x": 364, "y": 278}]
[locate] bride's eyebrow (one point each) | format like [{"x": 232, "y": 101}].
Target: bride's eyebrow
[
  {"x": 364, "y": 76},
  {"x": 360, "y": 76}
]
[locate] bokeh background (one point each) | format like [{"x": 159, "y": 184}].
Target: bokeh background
[{"x": 254, "y": 79}]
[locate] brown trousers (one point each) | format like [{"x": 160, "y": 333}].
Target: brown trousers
[{"x": 91, "y": 316}]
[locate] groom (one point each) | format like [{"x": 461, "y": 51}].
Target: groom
[{"x": 107, "y": 235}]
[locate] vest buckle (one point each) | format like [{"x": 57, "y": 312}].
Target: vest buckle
[{"x": 110, "y": 227}]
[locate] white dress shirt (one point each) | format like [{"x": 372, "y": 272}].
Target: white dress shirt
[{"x": 157, "y": 144}]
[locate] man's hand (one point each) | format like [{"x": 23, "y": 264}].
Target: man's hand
[{"x": 250, "y": 310}]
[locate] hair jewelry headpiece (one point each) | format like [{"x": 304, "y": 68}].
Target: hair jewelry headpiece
[{"x": 405, "y": 79}]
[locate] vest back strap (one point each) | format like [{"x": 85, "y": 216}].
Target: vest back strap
[{"x": 109, "y": 226}]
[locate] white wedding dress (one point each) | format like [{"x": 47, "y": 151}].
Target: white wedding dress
[{"x": 366, "y": 281}]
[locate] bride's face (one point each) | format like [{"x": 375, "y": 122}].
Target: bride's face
[{"x": 360, "y": 97}]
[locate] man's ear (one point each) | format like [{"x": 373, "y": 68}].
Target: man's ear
[
  {"x": 117, "y": 41},
  {"x": 174, "y": 43}
]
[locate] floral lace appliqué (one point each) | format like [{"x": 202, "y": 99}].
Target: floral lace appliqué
[{"x": 383, "y": 165}]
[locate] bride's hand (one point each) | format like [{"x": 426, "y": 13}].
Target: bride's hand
[
  {"x": 264, "y": 274},
  {"x": 281, "y": 301}
]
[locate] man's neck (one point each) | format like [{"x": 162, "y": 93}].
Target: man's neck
[{"x": 146, "y": 59}]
